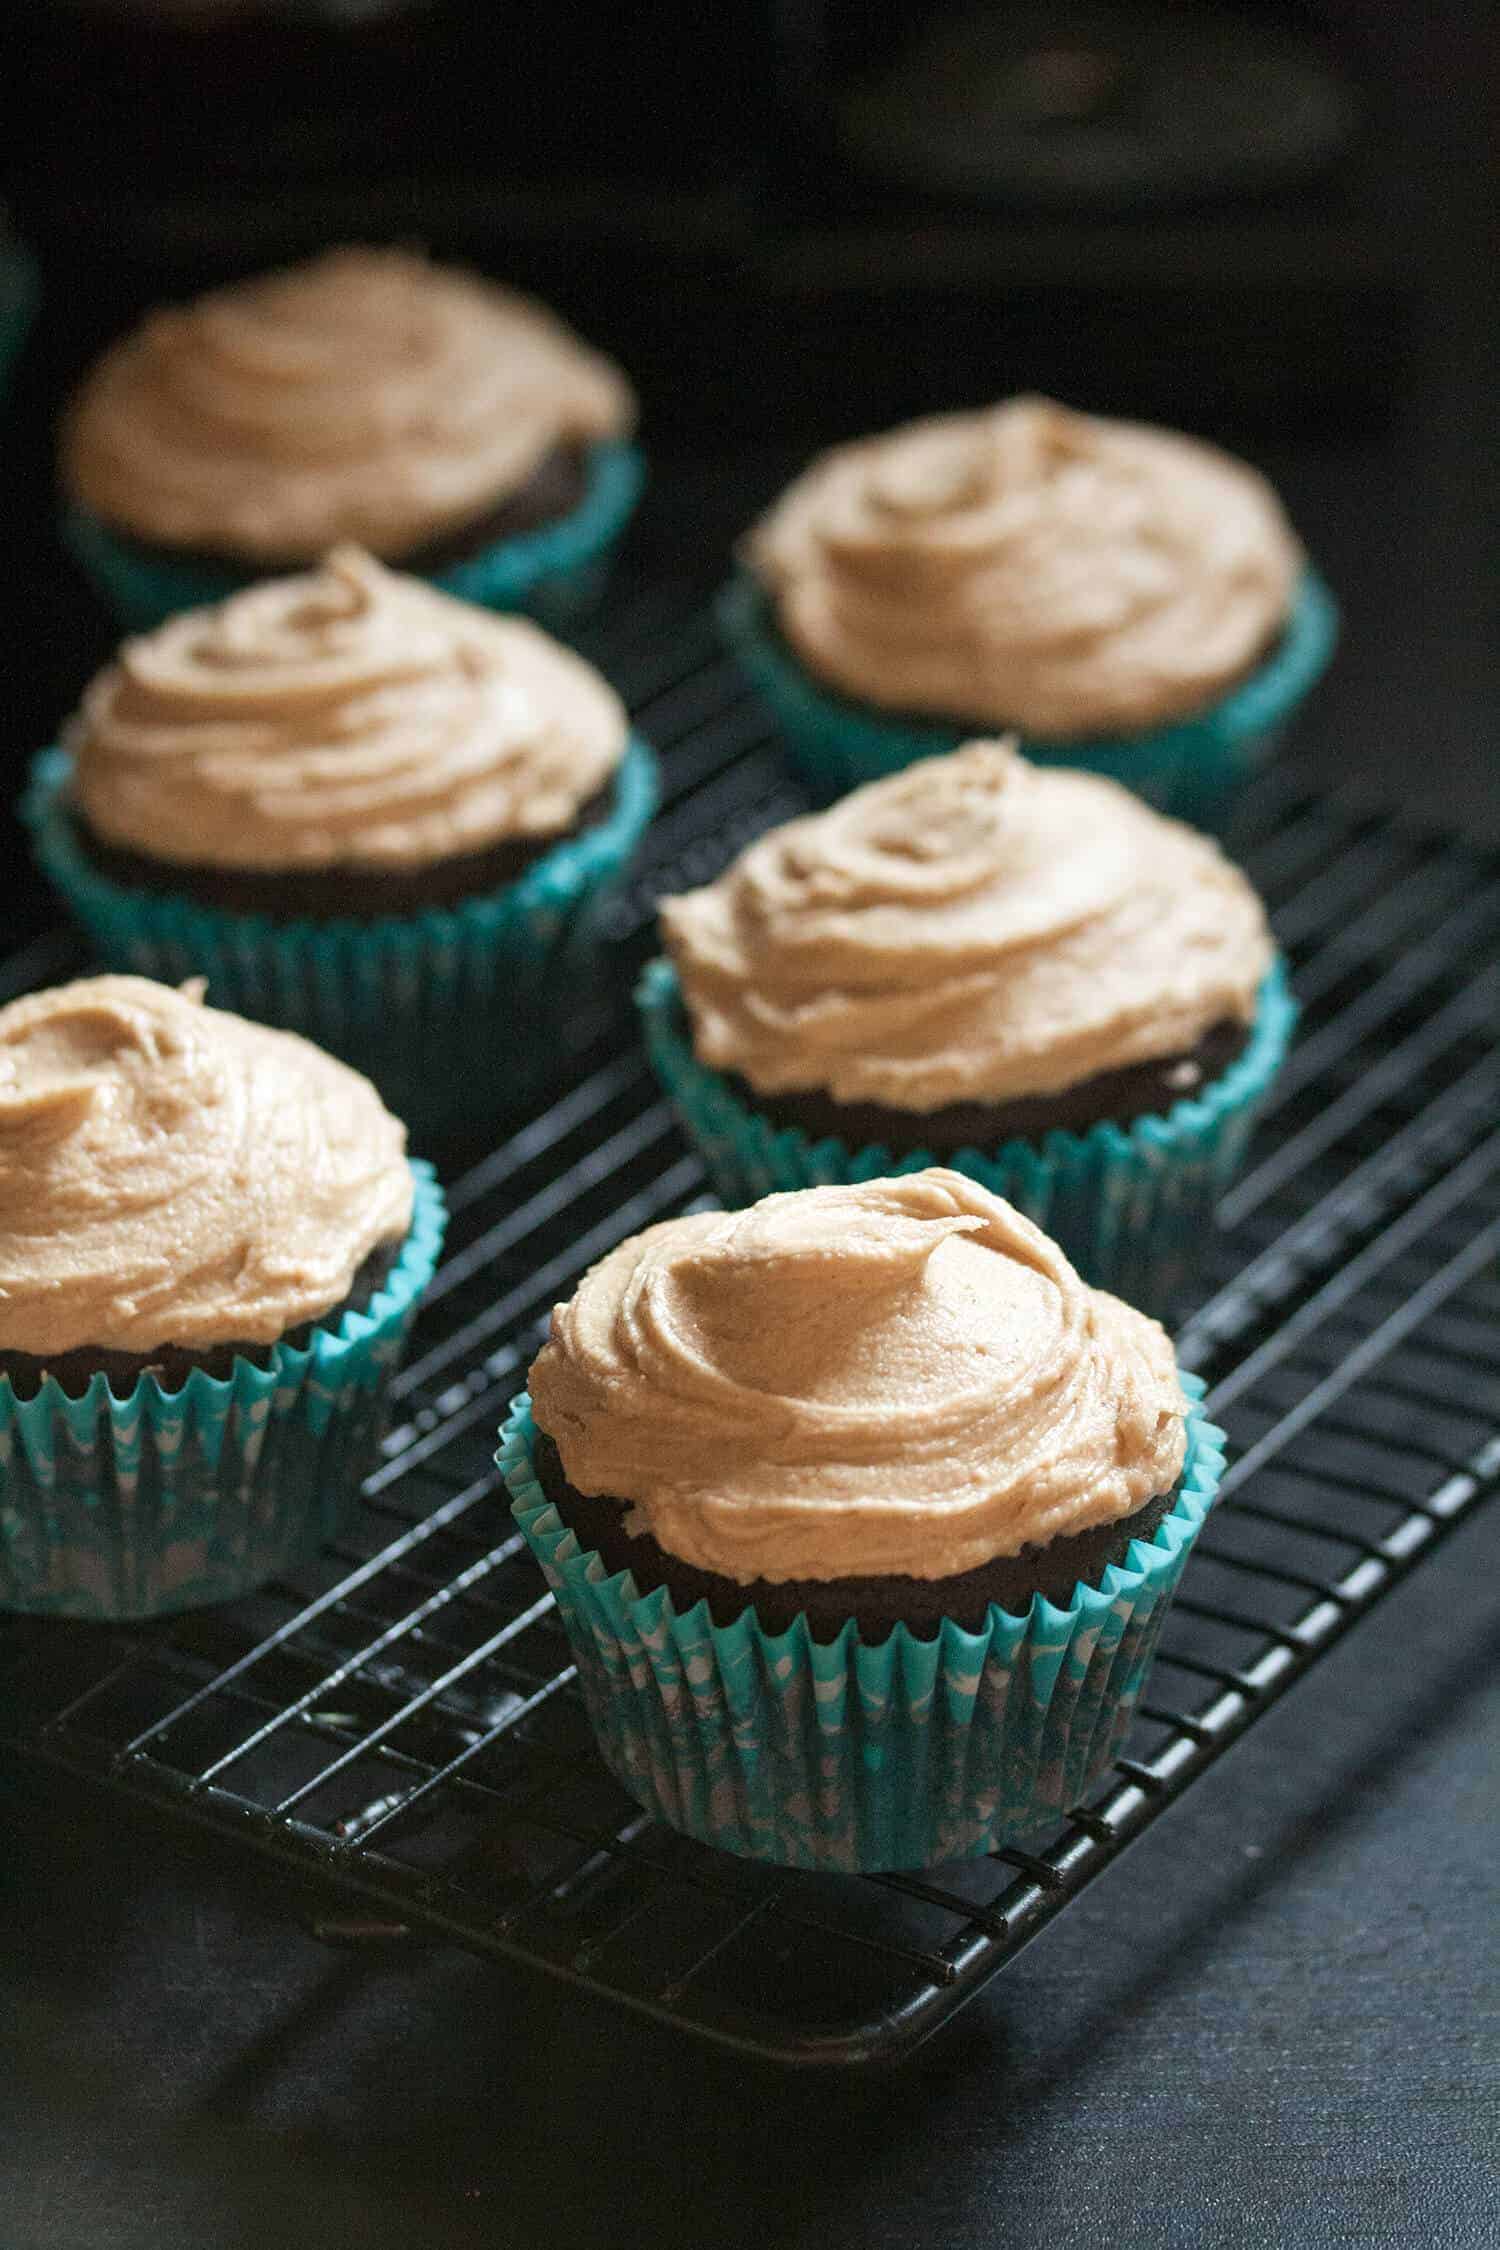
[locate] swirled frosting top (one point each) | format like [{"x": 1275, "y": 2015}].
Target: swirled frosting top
[
  {"x": 904, "y": 1377},
  {"x": 170, "y": 1174},
  {"x": 974, "y": 928},
  {"x": 1029, "y": 567},
  {"x": 367, "y": 395},
  {"x": 348, "y": 717}
]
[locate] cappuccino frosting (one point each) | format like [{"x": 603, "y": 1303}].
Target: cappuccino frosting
[
  {"x": 170, "y": 1174},
  {"x": 351, "y": 717},
  {"x": 1027, "y": 566},
  {"x": 904, "y": 1377},
  {"x": 973, "y": 928},
  {"x": 367, "y": 395}
]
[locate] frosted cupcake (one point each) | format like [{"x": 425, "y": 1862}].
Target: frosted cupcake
[
  {"x": 1125, "y": 598},
  {"x": 422, "y": 412},
  {"x": 861, "y": 1511},
  {"x": 363, "y": 810},
  {"x": 1025, "y": 972},
  {"x": 211, "y": 1249}
]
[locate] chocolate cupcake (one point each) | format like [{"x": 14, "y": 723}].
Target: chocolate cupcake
[
  {"x": 363, "y": 810},
  {"x": 211, "y": 1249},
  {"x": 422, "y": 412},
  {"x": 1025, "y": 971},
  {"x": 1124, "y": 598},
  {"x": 861, "y": 1510}
]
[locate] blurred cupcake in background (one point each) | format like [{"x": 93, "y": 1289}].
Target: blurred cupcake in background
[
  {"x": 361, "y": 809},
  {"x": 862, "y": 1513},
  {"x": 1023, "y": 972},
  {"x": 211, "y": 1250},
  {"x": 1124, "y": 598},
  {"x": 423, "y": 412}
]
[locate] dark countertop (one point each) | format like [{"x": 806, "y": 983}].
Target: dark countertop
[{"x": 1276, "y": 2022}]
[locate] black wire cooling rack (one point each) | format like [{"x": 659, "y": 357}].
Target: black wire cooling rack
[{"x": 396, "y": 1730}]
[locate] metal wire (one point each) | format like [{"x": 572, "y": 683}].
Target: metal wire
[{"x": 399, "y": 1727}]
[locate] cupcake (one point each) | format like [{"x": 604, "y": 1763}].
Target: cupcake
[
  {"x": 421, "y": 412},
  {"x": 1126, "y": 599},
  {"x": 862, "y": 1512},
  {"x": 211, "y": 1249},
  {"x": 363, "y": 810},
  {"x": 1022, "y": 971}
]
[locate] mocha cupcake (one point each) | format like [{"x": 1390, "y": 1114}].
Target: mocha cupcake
[
  {"x": 211, "y": 1250},
  {"x": 362, "y": 810},
  {"x": 1024, "y": 972},
  {"x": 417, "y": 410},
  {"x": 1124, "y": 598},
  {"x": 862, "y": 1512}
]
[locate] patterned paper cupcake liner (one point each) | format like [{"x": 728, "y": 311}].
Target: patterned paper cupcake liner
[
  {"x": 558, "y": 573},
  {"x": 18, "y": 296},
  {"x": 1191, "y": 769},
  {"x": 555, "y": 573},
  {"x": 445, "y": 1009},
  {"x": 847, "y": 1755},
  {"x": 169, "y": 1499},
  {"x": 1130, "y": 1204}
]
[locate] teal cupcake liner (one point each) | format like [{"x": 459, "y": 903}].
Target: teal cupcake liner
[
  {"x": 558, "y": 573},
  {"x": 848, "y": 1755},
  {"x": 1129, "y": 1204},
  {"x": 169, "y": 1499},
  {"x": 555, "y": 573},
  {"x": 444, "y": 1009},
  {"x": 18, "y": 296},
  {"x": 1191, "y": 769}
]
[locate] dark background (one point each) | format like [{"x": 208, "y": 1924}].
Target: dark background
[{"x": 1278, "y": 2022}]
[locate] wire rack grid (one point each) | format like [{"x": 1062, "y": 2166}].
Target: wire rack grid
[{"x": 396, "y": 1730}]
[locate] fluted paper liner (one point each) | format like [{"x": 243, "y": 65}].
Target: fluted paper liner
[
  {"x": 1130, "y": 1204},
  {"x": 848, "y": 1755},
  {"x": 441, "y": 1007},
  {"x": 1190, "y": 768},
  {"x": 554, "y": 573},
  {"x": 168, "y": 1499}
]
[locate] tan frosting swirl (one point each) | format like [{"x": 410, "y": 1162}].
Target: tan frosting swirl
[
  {"x": 1027, "y": 566},
  {"x": 974, "y": 928},
  {"x": 349, "y": 717},
  {"x": 904, "y": 1377},
  {"x": 367, "y": 395},
  {"x": 170, "y": 1174}
]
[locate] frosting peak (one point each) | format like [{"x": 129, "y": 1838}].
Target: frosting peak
[
  {"x": 1027, "y": 566},
  {"x": 974, "y": 928},
  {"x": 349, "y": 716},
  {"x": 901, "y": 1377},
  {"x": 365, "y": 395},
  {"x": 170, "y": 1174}
]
